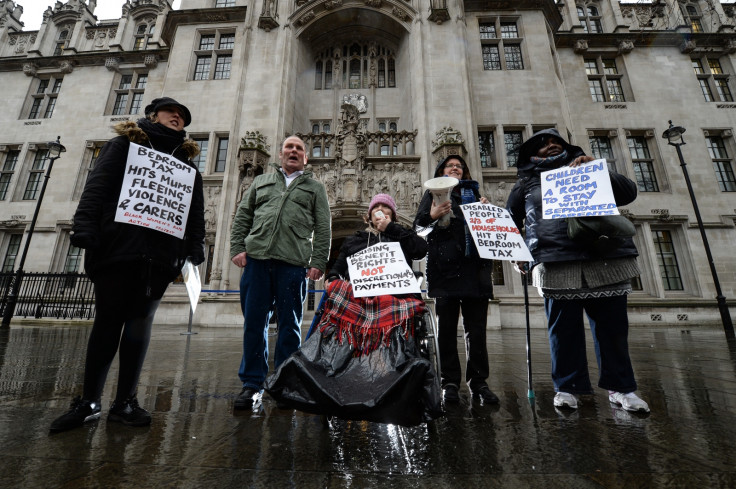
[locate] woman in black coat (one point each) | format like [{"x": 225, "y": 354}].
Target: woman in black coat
[
  {"x": 131, "y": 266},
  {"x": 459, "y": 280},
  {"x": 577, "y": 278}
]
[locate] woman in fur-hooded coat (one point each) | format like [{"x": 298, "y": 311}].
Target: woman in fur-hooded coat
[{"x": 131, "y": 266}]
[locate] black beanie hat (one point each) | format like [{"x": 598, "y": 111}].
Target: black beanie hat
[{"x": 159, "y": 103}]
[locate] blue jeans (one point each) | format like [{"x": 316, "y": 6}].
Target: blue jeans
[
  {"x": 609, "y": 324},
  {"x": 267, "y": 283}
]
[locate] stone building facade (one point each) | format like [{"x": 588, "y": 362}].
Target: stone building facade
[{"x": 381, "y": 90}]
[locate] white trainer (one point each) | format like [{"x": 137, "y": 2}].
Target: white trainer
[
  {"x": 629, "y": 401},
  {"x": 567, "y": 400}
]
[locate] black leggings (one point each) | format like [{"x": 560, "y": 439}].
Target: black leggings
[{"x": 123, "y": 319}]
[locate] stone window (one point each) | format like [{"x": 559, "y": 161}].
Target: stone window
[
  {"x": 601, "y": 148},
  {"x": 605, "y": 79},
  {"x": 320, "y": 144},
  {"x": 713, "y": 77},
  {"x": 512, "y": 140},
  {"x": 143, "y": 34},
  {"x": 722, "y": 164},
  {"x": 669, "y": 268},
  {"x": 62, "y": 40},
  {"x": 501, "y": 41},
  {"x": 91, "y": 153},
  {"x": 387, "y": 146},
  {"x": 73, "y": 259},
  {"x": 487, "y": 149},
  {"x": 692, "y": 17},
  {"x": 200, "y": 161},
  {"x": 11, "y": 252},
  {"x": 43, "y": 99},
  {"x": 221, "y": 157},
  {"x": 214, "y": 48},
  {"x": 224, "y": 3},
  {"x": 643, "y": 163},
  {"x": 35, "y": 174},
  {"x": 7, "y": 170},
  {"x": 128, "y": 93},
  {"x": 589, "y": 18},
  {"x": 359, "y": 65}
]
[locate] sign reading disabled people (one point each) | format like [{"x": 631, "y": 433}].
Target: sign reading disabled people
[
  {"x": 494, "y": 232},
  {"x": 583, "y": 190},
  {"x": 157, "y": 191},
  {"x": 381, "y": 270}
]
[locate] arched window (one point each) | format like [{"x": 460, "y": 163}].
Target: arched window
[
  {"x": 143, "y": 34},
  {"x": 590, "y": 19},
  {"x": 62, "y": 40},
  {"x": 354, "y": 66},
  {"x": 692, "y": 17}
]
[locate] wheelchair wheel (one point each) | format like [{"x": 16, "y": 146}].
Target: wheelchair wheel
[{"x": 428, "y": 344}]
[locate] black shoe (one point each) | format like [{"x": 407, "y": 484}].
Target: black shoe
[
  {"x": 247, "y": 398},
  {"x": 129, "y": 413},
  {"x": 485, "y": 395},
  {"x": 80, "y": 412},
  {"x": 451, "y": 394}
]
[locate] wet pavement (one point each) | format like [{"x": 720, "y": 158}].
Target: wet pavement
[{"x": 196, "y": 440}]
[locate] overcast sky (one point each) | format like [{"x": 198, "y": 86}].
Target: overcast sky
[{"x": 33, "y": 10}]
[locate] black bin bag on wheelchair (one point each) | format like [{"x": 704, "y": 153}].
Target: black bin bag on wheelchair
[{"x": 330, "y": 375}]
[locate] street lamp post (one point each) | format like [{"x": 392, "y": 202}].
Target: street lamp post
[
  {"x": 55, "y": 150},
  {"x": 673, "y": 135}
]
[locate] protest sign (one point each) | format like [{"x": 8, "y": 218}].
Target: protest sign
[
  {"x": 156, "y": 192},
  {"x": 583, "y": 190},
  {"x": 381, "y": 270},
  {"x": 494, "y": 232},
  {"x": 193, "y": 283}
]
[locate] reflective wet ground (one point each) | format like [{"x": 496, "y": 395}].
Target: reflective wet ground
[{"x": 196, "y": 440}]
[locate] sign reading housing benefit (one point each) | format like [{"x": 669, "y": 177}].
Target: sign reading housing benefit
[
  {"x": 157, "y": 191},
  {"x": 381, "y": 269},
  {"x": 579, "y": 191}
]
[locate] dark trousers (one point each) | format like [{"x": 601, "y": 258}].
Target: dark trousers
[
  {"x": 609, "y": 325},
  {"x": 475, "y": 311},
  {"x": 123, "y": 320}
]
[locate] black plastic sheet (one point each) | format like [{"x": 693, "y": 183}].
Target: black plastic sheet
[{"x": 393, "y": 384}]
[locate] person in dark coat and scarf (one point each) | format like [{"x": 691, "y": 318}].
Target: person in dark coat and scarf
[
  {"x": 131, "y": 266},
  {"x": 459, "y": 280},
  {"x": 576, "y": 277}
]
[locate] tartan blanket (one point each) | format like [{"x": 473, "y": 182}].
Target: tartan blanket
[{"x": 366, "y": 323}]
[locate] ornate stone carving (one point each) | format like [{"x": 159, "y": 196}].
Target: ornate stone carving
[
  {"x": 374, "y": 3},
  {"x": 30, "y": 69},
  {"x": 66, "y": 67},
  {"x": 688, "y": 46},
  {"x": 306, "y": 18},
  {"x": 331, "y": 4},
  {"x": 112, "y": 64},
  {"x": 359, "y": 101},
  {"x": 447, "y": 135},
  {"x": 211, "y": 204},
  {"x": 625, "y": 47},
  {"x": 400, "y": 14},
  {"x": 730, "y": 46},
  {"x": 267, "y": 19},
  {"x": 581, "y": 46},
  {"x": 255, "y": 140},
  {"x": 150, "y": 60}
]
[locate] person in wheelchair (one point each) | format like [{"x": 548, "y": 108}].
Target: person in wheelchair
[{"x": 363, "y": 361}]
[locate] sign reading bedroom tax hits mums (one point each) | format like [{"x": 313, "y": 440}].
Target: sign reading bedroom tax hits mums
[
  {"x": 583, "y": 190},
  {"x": 157, "y": 191},
  {"x": 380, "y": 270},
  {"x": 494, "y": 232}
]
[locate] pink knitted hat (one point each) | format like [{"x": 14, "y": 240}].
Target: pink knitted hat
[{"x": 384, "y": 199}]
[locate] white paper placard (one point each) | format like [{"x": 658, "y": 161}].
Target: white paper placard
[
  {"x": 584, "y": 190},
  {"x": 157, "y": 191},
  {"x": 381, "y": 270},
  {"x": 494, "y": 232},
  {"x": 190, "y": 274}
]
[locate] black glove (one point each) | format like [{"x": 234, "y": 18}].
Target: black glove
[
  {"x": 84, "y": 240},
  {"x": 196, "y": 259}
]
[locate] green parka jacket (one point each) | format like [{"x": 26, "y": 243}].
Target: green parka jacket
[{"x": 289, "y": 224}]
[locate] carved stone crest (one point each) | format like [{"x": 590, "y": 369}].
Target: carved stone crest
[{"x": 359, "y": 101}]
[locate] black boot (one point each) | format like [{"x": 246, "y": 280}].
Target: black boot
[
  {"x": 80, "y": 412},
  {"x": 129, "y": 413}
]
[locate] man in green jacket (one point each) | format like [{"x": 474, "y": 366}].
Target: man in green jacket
[{"x": 280, "y": 237}]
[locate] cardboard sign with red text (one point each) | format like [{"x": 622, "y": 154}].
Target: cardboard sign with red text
[
  {"x": 494, "y": 232},
  {"x": 381, "y": 270},
  {"x": 157, "y": 191}
]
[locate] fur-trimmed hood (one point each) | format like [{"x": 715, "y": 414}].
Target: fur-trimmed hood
[{"x": 136, "y": 135}]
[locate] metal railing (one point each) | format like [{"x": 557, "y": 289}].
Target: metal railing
[{"x": 51, "y": 295}]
